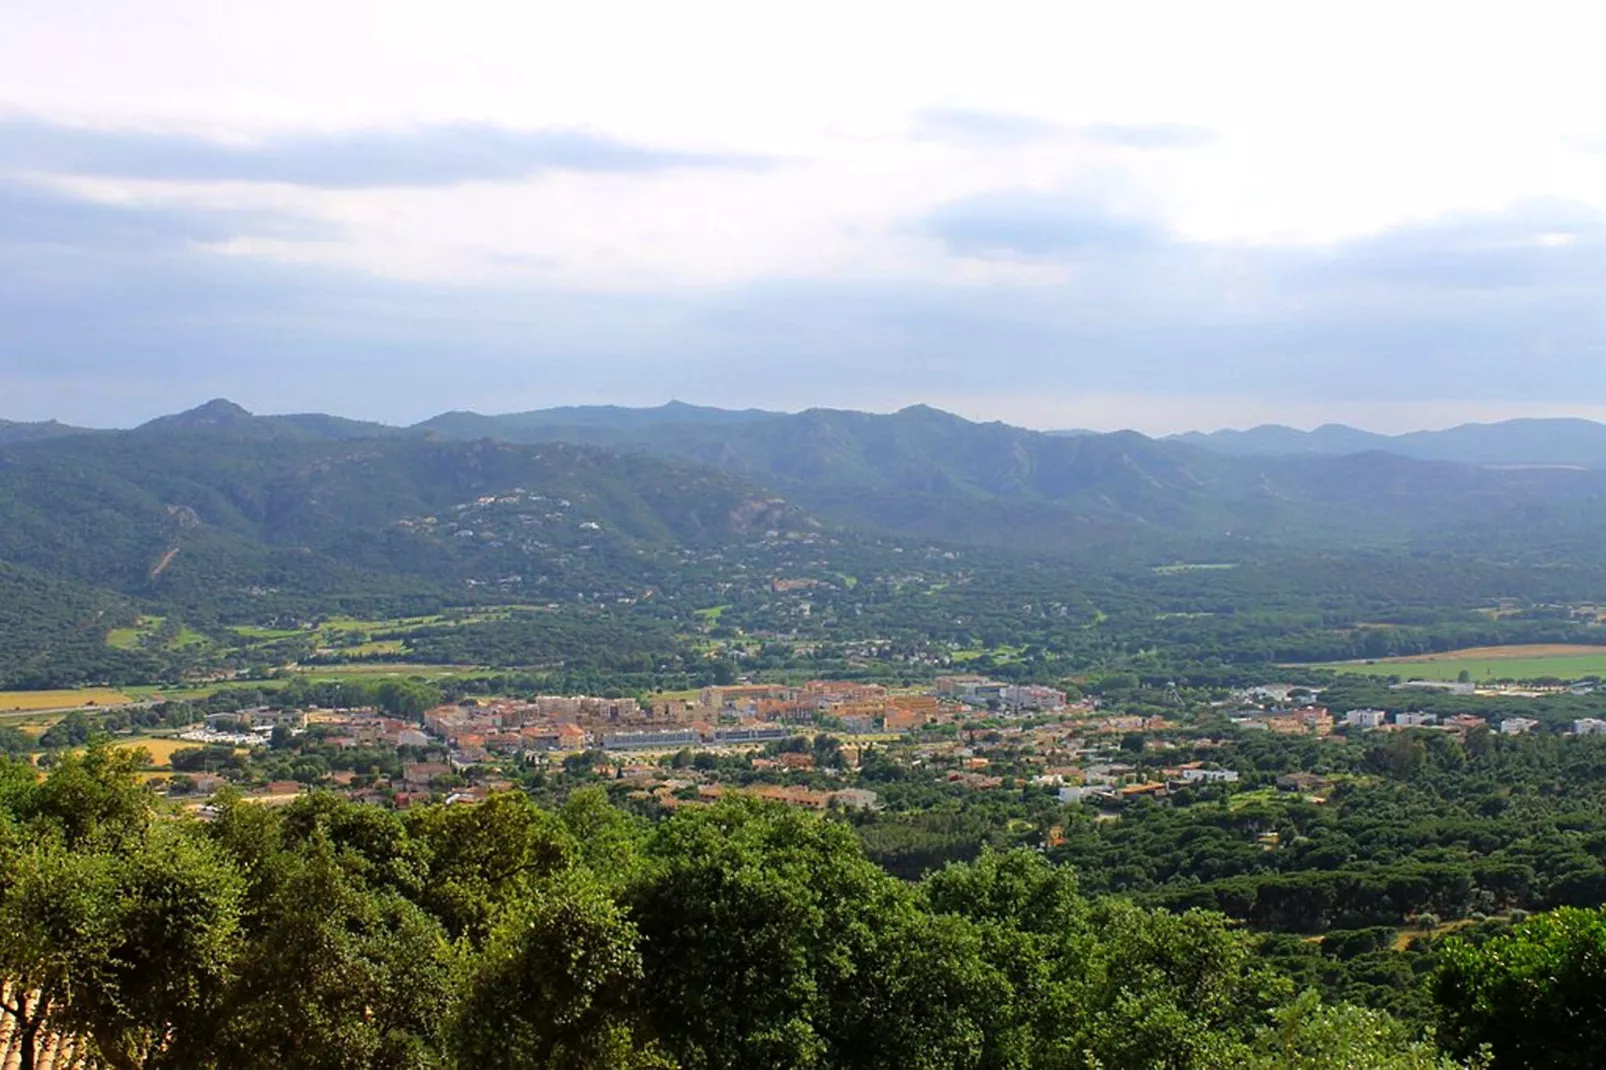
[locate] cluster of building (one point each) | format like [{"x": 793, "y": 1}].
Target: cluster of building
[
  {"x": 731, "y": 716},
  {"x": 1462, "y": 722}
]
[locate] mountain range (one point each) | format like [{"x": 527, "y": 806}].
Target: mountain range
[
  {"x": 1557, "y": 441},
  {"x": 1553, "y": 441},
  {"x": 219, "y": 514},
  {"x": 919, "y": 472}
]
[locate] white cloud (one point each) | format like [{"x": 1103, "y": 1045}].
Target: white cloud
[{"x": 1247, "y": 140}]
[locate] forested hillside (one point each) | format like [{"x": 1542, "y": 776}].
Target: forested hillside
[
  {"x": 209, "y": 514},
  {"x": 928, "y": 473},
  {"x": 332, "y": 935},
  {"x": 817, "y": 541}
]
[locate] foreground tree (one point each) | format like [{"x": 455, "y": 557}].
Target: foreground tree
[
  {"x": 553, "y": 987},
  {"x": 1534, "y": 997}
]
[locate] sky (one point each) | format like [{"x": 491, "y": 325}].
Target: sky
[{"x": 1162, "y": 216}]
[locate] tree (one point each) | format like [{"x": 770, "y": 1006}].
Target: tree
[
  {"x": 153, "y": 998},
  {"x": 58, "y": 926},
  {"x": 1310, "y": 1036},
  {"x": 753, "y": 918},
  {"x": 1535, "y": 996},
  {"x": 553, "y": 986},
  {"x": 336, "y": 974}
]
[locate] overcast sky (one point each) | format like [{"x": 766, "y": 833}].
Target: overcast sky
[{"x": 1150, "y": 215}]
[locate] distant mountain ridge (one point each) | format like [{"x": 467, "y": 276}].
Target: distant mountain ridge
[
  {"x": 1560, "y": 441},
  {"x": 1550, "y": 441},
  {"x": 12, "y": 431},
  {"x": 925, "y": 473}
]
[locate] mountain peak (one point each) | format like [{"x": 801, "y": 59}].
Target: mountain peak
[{"x": 218, "y": 412}]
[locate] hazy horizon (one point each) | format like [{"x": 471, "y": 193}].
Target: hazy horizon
[
  {"x": 1154, "y": 215},
  {"x": 128, "y": 423}
]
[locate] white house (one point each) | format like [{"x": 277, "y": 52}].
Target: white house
[
  {"x": 1415, "y": 720},
  {"x": 1206, "y": 776},
  {"x": 1517, "y": 726}
]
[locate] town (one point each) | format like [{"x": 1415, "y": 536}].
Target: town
[{"x": 803, "y": 745}]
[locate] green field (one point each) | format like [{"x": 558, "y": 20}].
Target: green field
[
  {"x": 1555, "y": 661},
  {"x": 145, "y": 629}
]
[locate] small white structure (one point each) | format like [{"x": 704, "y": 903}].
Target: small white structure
[
  {"x": 1415, "y": 720},
  {"x": 1517, "y": 726},
  {"x": 1210, "y": 776},
  {"x": 1364, "y": 718},
  {"x": 1589, "y": 726}
]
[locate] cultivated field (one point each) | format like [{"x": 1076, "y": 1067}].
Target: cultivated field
[
  {"x": 12, "y": 701},
  {"x": 161, "y": 749},
  {"x": 1532, "y": 661}
]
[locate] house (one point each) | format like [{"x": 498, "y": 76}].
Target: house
[
  {"x": 1517, "y": 726},
  {"x": 418, "y": 776},
  {"x": 1304, "y": 783},
  {"x": 903, "y": 720},
  {"x": 1365, "y": 718},
  {"x": 1415, "y": 720},
  {"x": 796, "y": 761},
  {"x": 1209, "y": 776},
  {"x": 855, "y": 799},
  {"x": 1033, "y": 697},
  {"x": 673, "y": 739},
  {"x": 757, "y": 732},
  {"x": 295, "y": 720},
  {"x": 1589, "y": 726}
]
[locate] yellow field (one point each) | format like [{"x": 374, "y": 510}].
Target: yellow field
[
  {"x": 161, "y": 750},
  {"x": 58, "y": 700}
]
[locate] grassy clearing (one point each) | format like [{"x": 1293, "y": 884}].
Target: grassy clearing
[
  {"x": 1001, "y": 655},
  {"x": 337, "y": 625},
  {"x": 125, "y": 638},
  {"x": 1526, "y": 662},
  {"x": 1244, "y": 799},
  {"x": 145, "y": 628},
  {"x": 1407, "y": 933},
  {"x": 62, "y": 700},
  {"x": 397, "y": 670},
  {"x": 374, "y": 648},
  {"x": 252, "y": 631}
]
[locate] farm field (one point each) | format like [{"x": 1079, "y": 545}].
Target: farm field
[
  {"x": 16, "y": 701},
  {"x": 1524, "y": 662},
  {"x": 161, "y": 748}
]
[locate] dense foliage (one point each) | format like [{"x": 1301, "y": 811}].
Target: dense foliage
[{"x": 326, "y": 934}]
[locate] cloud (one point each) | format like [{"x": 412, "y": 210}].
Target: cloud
[
  {"x": 1023, "y": 225},
  {"x": 115, "y": 312},
  {"x": 442, "y": 155},
  {"x": 988, "y": 128},
  {"x": 36, "y": 215},
  {"x": 1150, "y": 136},
  {"x": 1527, "y": 245}
]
